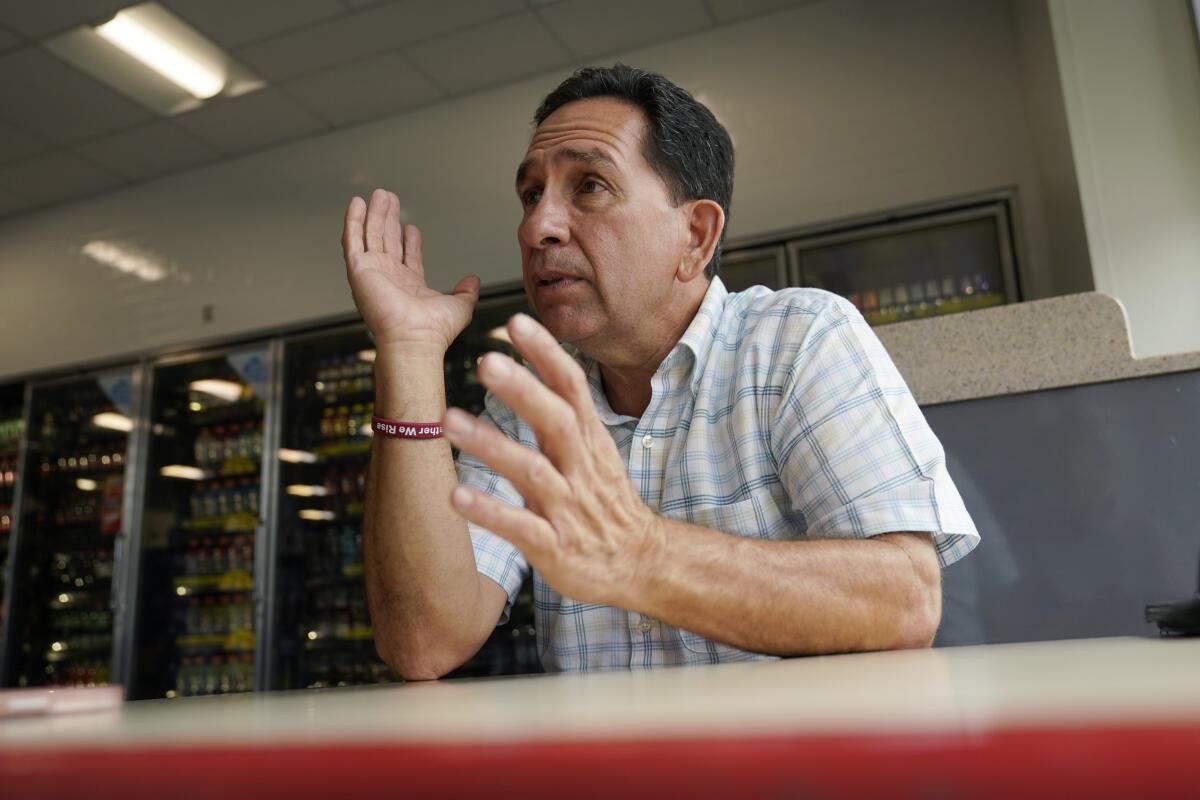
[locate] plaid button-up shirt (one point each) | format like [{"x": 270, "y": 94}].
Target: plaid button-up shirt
[{"x": 778, "y": 415}]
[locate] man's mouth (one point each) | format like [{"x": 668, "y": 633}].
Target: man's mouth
[{"x": 556, "y": 281}]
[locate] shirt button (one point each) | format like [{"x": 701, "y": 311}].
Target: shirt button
[
  {"x": 647, "y": 441},
  {"x": 644, "y": 626}
]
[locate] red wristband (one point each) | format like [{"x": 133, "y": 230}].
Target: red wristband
[{"x": 406, "y": 430}]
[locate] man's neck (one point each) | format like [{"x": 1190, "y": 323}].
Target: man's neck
[{"x": 627, "y": 380}]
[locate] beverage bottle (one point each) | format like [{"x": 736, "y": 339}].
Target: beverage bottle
[
  {"x": 181, "y": 676},
  {"x": 232, "y": 436},
  {"x": 201, "y": 447},
  {"x": 256, "y": 441},
  {"x": 340, "y": 423},
  {"x": 216, "y": 447},
  {"x": 327, "y": 425}
]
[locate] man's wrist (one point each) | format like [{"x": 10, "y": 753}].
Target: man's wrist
[{"x": 410, "y": 384}]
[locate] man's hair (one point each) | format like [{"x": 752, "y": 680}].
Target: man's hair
[{"x": 685, "y": 144}]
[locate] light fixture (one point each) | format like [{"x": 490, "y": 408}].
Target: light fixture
[
  {"x": 183, "y": 471},
  {"x": 152, "y": 46},
  {"x": 181, "y": 591},
  {"x": 86, "y": 484},
  {"x": 123, "y": 259},
  {"x": 229, "y": 391},
  {"x": 301, "y": 490},
  {"x": 297, "y": 456},
  {"x": 154, "y": 57},
  {"x": 367, "y": 355},
  {"x": 316, "y": 514},
  {"x": 312, "y": 635},
  {"x": 113, "y": 421},
  {"x": 500, "y": 333}
]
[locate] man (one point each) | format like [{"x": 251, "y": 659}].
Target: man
[{"x": 704, "y": 477}]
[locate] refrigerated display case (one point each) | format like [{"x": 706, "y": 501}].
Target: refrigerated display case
[
  {"x": 198, "y": 543},
  {"x": 323, "y": 629},
  {"x": 59, "y": 625},
  {"x": 755, "y": 266},
  {"x": 915, "y": 266},
  {"x": 12, "y": 421}
]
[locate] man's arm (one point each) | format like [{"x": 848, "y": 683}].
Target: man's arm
[
  {"x": 793, "y": 597},
  {"x": 586, "y": 530},
  {"x": 430, "y": 608}
]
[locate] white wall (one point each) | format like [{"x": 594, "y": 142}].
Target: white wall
[
  {"x": 1132, "y": 85},
  {"x": 838, "y": 108}
]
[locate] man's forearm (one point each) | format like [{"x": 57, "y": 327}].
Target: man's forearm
[
  {"x": 793, "y": 598},
  {"x": 422, "y": 585}
]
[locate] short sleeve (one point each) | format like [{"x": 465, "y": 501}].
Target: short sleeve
[
  {"x": 854, "y": 451},
  {"x": 495, "y": 557}
]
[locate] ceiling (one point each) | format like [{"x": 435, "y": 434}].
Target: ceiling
[{"x": 328, "y": 64}]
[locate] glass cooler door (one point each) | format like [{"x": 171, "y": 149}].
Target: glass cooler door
[
  {"x": 61, "y": 626},
  {"x": 324, "y": 629},
  {"x": 196, "y": 603}
]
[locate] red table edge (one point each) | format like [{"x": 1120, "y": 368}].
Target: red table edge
[{"x": 1151, "y": 759}]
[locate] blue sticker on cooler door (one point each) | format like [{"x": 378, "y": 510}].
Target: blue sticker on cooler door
[
  {"x": 118, "y": 386},
  {"x": 252, "y": 367}
]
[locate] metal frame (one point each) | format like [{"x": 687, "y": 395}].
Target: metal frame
[
  {"x": 127, "y": 556},
  {"x": 266, "y": 534},
  {"x": 7, "y": 643},
  {"x": 996, "y": 210}
]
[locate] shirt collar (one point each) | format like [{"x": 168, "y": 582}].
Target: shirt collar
[{"x": 697, "y": 340}]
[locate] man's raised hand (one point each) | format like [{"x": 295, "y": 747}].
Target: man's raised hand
[{"x": 387, "y": 277}]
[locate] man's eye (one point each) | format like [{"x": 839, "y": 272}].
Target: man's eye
[
  {"x": 530, "y": 197},
  {"x": 591, "y": 187}
]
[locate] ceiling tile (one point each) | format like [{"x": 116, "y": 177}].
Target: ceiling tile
[
  {"x": 364, "y": 90},
  {"x": 503, "y": 50},
  {"x": 37, "y": 18},
  {"x": 148, "y": 150},
  {"x": 11, "y": 204},
  {"x": 8, "y": 40},
  {"x": 55, "y": 176},
  {"x": 364, "y": 33},
  {"x": 591, "y": 28},
  {"x": 250, "y": 122},
  {"x": 730, "y": 10},
  {"x": 50, "y": 99},
  {"x": 231, "y": 23},
  {"x": 16, "y": 145}
]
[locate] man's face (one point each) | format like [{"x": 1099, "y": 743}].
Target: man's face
[{"x": 600, "y": 240}]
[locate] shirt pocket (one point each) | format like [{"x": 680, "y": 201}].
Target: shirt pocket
[{"x": 757, "y": 516}]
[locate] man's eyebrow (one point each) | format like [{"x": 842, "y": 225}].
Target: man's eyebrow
[{"x": 591, "y": 157}]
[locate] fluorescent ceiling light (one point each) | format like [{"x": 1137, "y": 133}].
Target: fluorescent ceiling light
[
  {"x": 183, "y": 471},
  {"x": 301, "y": 490},
  {"x": 165, "y": 54},
  {"x": 113, "y": 421},
  {"x": 154, "y": 57},
  {"x": 297, "y": 456},
  {"x": 86, "y": 485},
  {"x": 123, "y": 260},
  {"x": 220, "y": 389},
  {"x": 316, "y": 514},
  {"x": 366, "y": 355}
]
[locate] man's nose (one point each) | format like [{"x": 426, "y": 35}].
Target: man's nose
[{"x": 546, "y": 224}]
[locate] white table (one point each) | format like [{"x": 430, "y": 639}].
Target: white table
[{"x": 1100, "y": 717}]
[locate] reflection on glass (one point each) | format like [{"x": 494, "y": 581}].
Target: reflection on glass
[
  {"x": 196, "y": 633},
  {"x": 71, "y": 512}
]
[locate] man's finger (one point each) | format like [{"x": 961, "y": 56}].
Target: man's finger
[
  {"x": 553, "y": 365},
  {"x": 412, "y": 248},
  {"x": 554, "y": 421},
  {"x": 352, "y": 229},
  {"x": 528, "y": 532},
  {"x": 529, "y": 471},
  {"x": 376, "y": 217},
  {"x": 391, "y": 228}
]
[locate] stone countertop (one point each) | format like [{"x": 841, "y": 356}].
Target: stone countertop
[{"x": 1023, "y": 347}]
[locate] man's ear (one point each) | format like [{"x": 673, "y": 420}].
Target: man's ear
[{"x": 705, "y": 221}]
